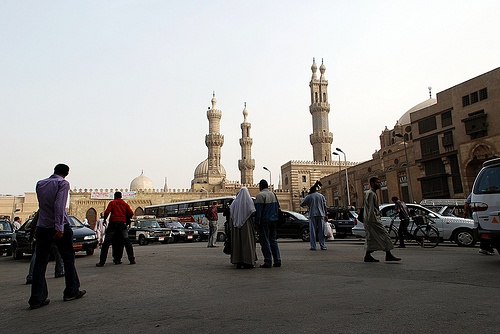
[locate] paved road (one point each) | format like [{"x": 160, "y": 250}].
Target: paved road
[{"x": 189, "y": 288}]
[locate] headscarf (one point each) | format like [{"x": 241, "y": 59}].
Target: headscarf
[{"x": 242, "y": 207}]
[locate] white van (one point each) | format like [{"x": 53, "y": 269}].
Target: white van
[{"x": 485, "y": 203}]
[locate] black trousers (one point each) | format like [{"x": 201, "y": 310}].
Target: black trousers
[
  {"x": 403, "y": 230},
  {"x": 116, "y": 234}
]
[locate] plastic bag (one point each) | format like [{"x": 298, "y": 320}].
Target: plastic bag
[{"x": 327, "y": 229}]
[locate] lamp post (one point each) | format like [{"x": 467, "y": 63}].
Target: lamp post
[
  {"x": 346, "y": 177},
  {"x": 270, "y": 182},
  {"x": 337, "y": 154},
  {"x": 408, "y": 175},
  {"x": 205, "y": 190}
]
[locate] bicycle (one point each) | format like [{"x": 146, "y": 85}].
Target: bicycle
[{"x": 425, "y": 234}]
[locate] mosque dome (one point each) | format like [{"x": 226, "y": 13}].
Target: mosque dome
[
  {"x": 405, "y": 119},
  {"x": 141, "y": 182},
  {"x": 202, "y": 170}
]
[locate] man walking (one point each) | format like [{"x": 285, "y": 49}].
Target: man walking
[
  {"x": 213, "y": 218},
  {"x": 317, "y": 215},
  {"x": 377, "y": 237},
  {"x": 266, "y": 218},
  {"x": 53, "y": 227},
  {"x": 404, "y": 220},
  {"x": 116, "y": 231}
]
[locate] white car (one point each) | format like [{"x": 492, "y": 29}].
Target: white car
[{"x": 458, "y": 230}]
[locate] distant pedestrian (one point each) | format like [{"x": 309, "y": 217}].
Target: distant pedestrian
[
  {"x": 116, "y": 231},
  {"x": 317, "y": 216},
  {"x": 266, "y": 219},
  {"x": 100, "y": 229},
  {"x": 53, "y": 227},
  {"x": 404, "y": 220},
  {"x": 212, "y": 215},
  {"x": 16, "y": 224},
  {"x": 377, "y": 237},
  {"x": 243, "y": 250}
]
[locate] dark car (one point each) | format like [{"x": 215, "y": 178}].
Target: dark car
[
  {"x": 202, "y": 232},
  {"x": 343, "y": 219},
  {"x": 293, "y": 225},
  {"x": 144, "y": 231},
  {"x": 179, "y": 232},
  {"x": 5, "y": 237},
  {"x": 84, "y": 239}
]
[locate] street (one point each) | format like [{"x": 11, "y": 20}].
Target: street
[{"x": 189, "y": 288}]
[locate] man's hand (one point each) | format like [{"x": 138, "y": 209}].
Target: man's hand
[{"x": 58, "y": 235}]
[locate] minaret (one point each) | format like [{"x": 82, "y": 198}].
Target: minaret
[
  {"x": 214, "y": 141},
  {"x": 321, "y": 139},
  {"x": 246, "y": 164}
]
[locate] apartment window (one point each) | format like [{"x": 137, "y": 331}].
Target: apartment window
[
  {"x": 427, "y": 124},
  {"x": 465, "y": 101},
  {"x": 304, "y": 179},
  {"x": 446, "y": 119},
  {"x": 456, "y": 180},
  {"x": 429, "y": 146},
  {"x": 483, "y": 94},
  {"x": 447, "y": 139},
  {"x": 474, "y": 97},
  {"x": 475, "y": 124}
]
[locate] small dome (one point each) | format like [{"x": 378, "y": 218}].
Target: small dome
[
  {"x": 405, "y": 119},
  {"x": 202, "y": 170},
  {"x": 314, "y": 68},
  {"x": 141, "y": 182}
]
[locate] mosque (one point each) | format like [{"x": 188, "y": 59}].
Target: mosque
[{"x": 433, "y": 151}]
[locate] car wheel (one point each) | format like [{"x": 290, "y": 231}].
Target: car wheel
[
  {"x": 90, "y": 252},
  {"x": 304, "y": 234},
  {"x": 142, "y": 240},
  {"x": 221, "y": 237},
  {"x": 15, "y": 253},
  {"x": 464, "y": 238}
]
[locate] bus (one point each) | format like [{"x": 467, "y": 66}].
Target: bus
[{"x": 193, "y": 211}]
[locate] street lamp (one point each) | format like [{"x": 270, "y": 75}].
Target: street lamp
[
  {"x": 346, "y": 177},
  {"x": 337, "y": 154},
  {"x": 407, "y": 165},
  {"x": 270, "y": 182}
]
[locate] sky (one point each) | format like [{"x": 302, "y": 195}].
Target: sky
[{"x": 116, "y": 87}]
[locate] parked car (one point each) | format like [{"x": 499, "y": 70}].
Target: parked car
[
  {"x": 203, "y": 233},
  {"x": 293, "y": 225},
  {"x": 5, "y": 237},
  {"x": 180, "y": 233},
  {"x": 343, "y": 220},
  {"x": 446, "y": 207},
  {"x": 458, "y": 230},
  {"x": 144, "y": 231},
  {"x": 84, "y": 239},
  {"x": 485, "y": 203}
]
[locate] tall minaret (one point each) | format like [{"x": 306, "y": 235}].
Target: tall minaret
[
  {"x": 214, "y": 141},
  {"x": 321, "y": 138},
  {"x": 246, "y": 164}
]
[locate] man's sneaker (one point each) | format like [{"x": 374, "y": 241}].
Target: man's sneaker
[
  {"x": 78, "y": 295},
  {"x": 485, "y": 252}
]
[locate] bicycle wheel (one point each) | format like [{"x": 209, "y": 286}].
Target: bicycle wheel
[
  {"x": 393, "y": 233},
  {"x": 427, "y": 236}
]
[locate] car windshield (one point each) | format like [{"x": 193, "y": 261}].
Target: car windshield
[
  {"x": 297, "y": 215},
  {"x": 74, "y": 222},
  {"x": 193, "y": 225},
  {"x": 5, "y": 226},
  {"x": 175, "y": 224},
  {"x": 149, "y": 223}
]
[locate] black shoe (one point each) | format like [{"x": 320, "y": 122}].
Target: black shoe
[
  {"x": 392, "y": 258},
  {"x": 78, "y": 295},
  {"x": 132, "y": 262},
  {"x": 57, "y": 275},
  {"x": 265, "y": 265},
  {"x": 44, "y": 303},
  {"x": 29, "y": 281},
  {"x": 370, "y": 259},
  {"x": 277, "y": 264},
  {"x": 117, "y": 262},
  {"x": 99, "y": 264}
]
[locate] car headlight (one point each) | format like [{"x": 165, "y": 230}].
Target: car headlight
[
  {"x": 151, "y": 233},
  {"x": 195, "y": 232},
  {"x": 89, "y": 237},
  {"x": 182, "y": 232}
]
